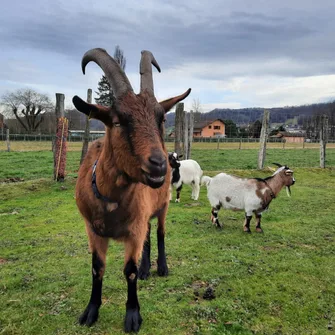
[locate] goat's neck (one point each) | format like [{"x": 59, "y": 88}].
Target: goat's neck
[
  {"x": 111, "y": 182},
  {"x": 276, "y": 183}
]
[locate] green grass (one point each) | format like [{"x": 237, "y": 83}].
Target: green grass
[
  {"x": 38, "y": 164},
  {"x": 279, "y": 282}
]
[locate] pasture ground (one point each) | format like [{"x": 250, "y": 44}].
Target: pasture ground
[{"x": 279, "y": 282}]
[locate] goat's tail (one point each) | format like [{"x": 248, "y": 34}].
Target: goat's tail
[{"x": 205, "y": 180}]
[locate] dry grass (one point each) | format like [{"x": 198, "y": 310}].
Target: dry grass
[{"x": 76, "y": 146}]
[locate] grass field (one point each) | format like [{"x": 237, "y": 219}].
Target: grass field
[{"x": 279, "y": 282}]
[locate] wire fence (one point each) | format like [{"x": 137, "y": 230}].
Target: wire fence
[{"x": 304, "y": 153}]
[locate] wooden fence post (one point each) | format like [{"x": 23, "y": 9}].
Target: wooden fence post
[
  {"x": 7, "y": 140},
  {"x": 323, "y": 140},
  {"x": 60, "y": 145},
  {"x": 178, "y": 128},
  {"x": 263, "y": 139},
  {"x": 240, "y": 145},
  {"x": 185, "y": 135},
  {"x": 190, "y": 133},
  {"x": 87, "y": 129}
]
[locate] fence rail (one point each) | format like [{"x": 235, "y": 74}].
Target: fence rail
[{"x": 79, "y": 138}]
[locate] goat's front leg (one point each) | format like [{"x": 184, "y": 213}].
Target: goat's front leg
[
  {"x": 178, "y": 193},
  {"x": 162, "y": 268},
  {"x": 144, "y": 271},
  {"x": 258, "y": 222},
  {"x": 99, "y": 246},
  {"x": 214, "y": 216},
  {"x": 247, "y": 220},
  {"x": 133, "y": 319}
]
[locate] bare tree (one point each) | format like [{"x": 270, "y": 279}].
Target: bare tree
[
  {"x": 120, "y": 58},
  {"x": 28, "y": 107},
  {"x": 196, "y": 107}
]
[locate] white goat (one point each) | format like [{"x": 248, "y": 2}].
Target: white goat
[
  {"x": 185, "y": 172},
  {"x": 253, "y": 195}
]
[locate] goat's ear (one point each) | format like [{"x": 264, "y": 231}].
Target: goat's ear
[
  {"x": 169, "y": 103},
  {"x": 98, "y": 112}
]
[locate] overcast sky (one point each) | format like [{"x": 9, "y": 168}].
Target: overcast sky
[{"x": 231, "y": 53}]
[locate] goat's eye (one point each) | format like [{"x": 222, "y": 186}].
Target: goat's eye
[{"x": 116, "y": 124}]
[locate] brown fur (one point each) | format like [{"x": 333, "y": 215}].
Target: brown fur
[
  {"x": 116, "y": 169},
  {"x": 131, "y": 180}
]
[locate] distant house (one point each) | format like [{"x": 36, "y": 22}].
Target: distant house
[
  {"x": 211, "y": 128},
  {"x": 293, "y": 137}
]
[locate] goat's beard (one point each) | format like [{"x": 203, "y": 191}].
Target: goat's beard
[{"x": 288, "y": 191}]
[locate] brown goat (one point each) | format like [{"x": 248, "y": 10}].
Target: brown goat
[{"x": 124, "y": 180}]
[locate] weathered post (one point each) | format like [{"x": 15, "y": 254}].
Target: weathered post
[
  {"x": 218, "y": 143},
  {"x": 60, "y": 146},
  {"x": 87, "y": 129},
  {"x": 60, "y": 98},
  {"x": 240, "y": 145},
  {"x": 185, "y": 135},
  {"x": 7, "y": 140},
  {"x": 190, "y": 134},
  {"x": 263, "y": 139},
  {"x": 178, "y": 128},
  {"x": 323, "y": 140}
]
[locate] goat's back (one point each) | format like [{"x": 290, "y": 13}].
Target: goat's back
[
  {"x": 190, "y": 171},
  {"x": 230, "y": 191}
]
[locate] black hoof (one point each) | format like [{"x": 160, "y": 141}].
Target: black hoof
[
  {"x": 90, "y": 315},
  {"x": 132, "y": 321},
  {"x": 143, "y": 274},
  {"x": 162, "y": 270}
]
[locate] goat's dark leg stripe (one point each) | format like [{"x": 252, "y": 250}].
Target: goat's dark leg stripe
[
  {"x": 258, "y": 223},
  {"x": 144, "y": 270},
  {"x": 247, "y": 223},
  {"x": 162, "y": 268},
  {"x": 91, "y": 313},
  {"x": 133, "y": 318},
  {"x": 178, "y": 191},
  {"x": 215, "y": 218}
]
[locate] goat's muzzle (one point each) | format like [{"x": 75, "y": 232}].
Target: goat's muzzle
[{"x": 155, "y": 170}]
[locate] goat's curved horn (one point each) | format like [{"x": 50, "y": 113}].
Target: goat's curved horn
[
  {"x": 115, "y": 75},
  {"x": 147, "y": 82},
  {"x": 277, "y": 164}
]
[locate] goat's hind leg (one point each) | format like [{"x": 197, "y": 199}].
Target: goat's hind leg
[
  {"x": 144, "y": 270},
  {"x": 99, "y": 246},
  {"x": 162, "y": 268},
  {"x": 196, "y": 188}
]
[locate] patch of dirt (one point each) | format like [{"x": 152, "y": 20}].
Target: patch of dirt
[
  {"x": 3, "y": 261},
  {"x": 193, "y": 204},
  {"x": 209, "y": 294},
  {"x": 12, "y": 180}
]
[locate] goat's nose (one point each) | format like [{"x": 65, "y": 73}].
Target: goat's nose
[{"x": 157, "y": 160}]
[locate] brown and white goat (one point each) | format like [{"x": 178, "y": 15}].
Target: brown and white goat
[
  {"x": 124, "y": 180},
  {"x": 253, "y": 195}
]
